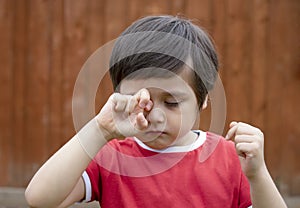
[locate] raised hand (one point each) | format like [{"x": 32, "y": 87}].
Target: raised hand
[
  {"x": 124, "y": 115},
  {"x": 249, "y": 143}
]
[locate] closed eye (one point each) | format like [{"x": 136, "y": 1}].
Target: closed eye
[{"x": 172, "y": 104}]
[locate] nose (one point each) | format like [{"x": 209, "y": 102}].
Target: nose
[{"x": 156, "y": 115}]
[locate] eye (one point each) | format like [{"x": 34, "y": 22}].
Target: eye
[{"x": 171, "y": 104}]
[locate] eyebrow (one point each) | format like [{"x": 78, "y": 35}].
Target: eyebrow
[{"x": 175, "y": 93}]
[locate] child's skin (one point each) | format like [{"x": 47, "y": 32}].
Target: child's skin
[{"x": 149, "y": 112}]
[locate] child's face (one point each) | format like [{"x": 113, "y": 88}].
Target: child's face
[{"x": 174, "y": 112}]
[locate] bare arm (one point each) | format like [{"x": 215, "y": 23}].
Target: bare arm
[
  {"x": 58, "y": 182},
  {"x": 264, "y": 192},
  {"x": 249, "y": 142},
  {"x": 56, "y": 179}
]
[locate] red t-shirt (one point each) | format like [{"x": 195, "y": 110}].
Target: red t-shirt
[{"x": 207, "y": 173}]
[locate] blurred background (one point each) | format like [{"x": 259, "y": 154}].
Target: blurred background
[{"x": 44, "y": 44}]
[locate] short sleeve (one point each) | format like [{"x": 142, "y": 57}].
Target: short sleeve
[
  {"x": 92, "y": 181},
  {"x": 244, "y": 196}
]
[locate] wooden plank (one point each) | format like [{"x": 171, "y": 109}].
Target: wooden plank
[
  {"x": 116, "y": 18},
  {"x": 135, "y": 10},
  {"x": 56, "y": 46},
  {"x": 259, "y": 48},
  {"x": 156, "y": 7},
  {"x": 96, "y": 40},
  {"x": 74, "y": 56},
  {"x": 178, "y": 7},
  {"x": 96, "y": 25},
  {"x": 274, "y": 110},
  {"x": 237, "y": 62},
  {"x": 283, "y": 96},
  {"x": 19, "y": 112},
  {"x": 290, "y": 166},
  {"x": 201, "y": 11},
  {"x": 37, "y": 85},
  {"x": 6, "y": 87}
]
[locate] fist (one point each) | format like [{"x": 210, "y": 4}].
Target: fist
[
  {"x": 124, "y": 115},
  {"x": 249, "y": 144}
]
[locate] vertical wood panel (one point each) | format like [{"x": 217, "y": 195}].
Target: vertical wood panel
[
  {"x": 97, "y": 33},
  {"x": 200, "y": 10},
  {"x": 116, "y": 16},
  {"x": 290, "y": 165},
  {"x": 16, "y": 161},
  {"x": 283, "y": 85},
  {"x": 178, "y": 7},
  {"x": 156, "y": 7},
  {"x": 36, "y": 98},
  {"x": 135, "y": 10},
  {"x": 237, "y": 63},
  {"x": 56, "y": 46},
  {"x": 259, "y": 57},
  {"x": 6, "y": 78},
  {"x": 75, "y": 54}
]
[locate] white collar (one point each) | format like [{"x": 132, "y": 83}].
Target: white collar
[{"x": 187, "y": 148}]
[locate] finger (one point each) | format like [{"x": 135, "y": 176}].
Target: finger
[
  {"x": 143, "y": 97},
  {"x": 149, "y": 105},
  {"x": 141, "y": 121},
  {"x": 131, "y": 104},
  {"x": 245, "y": 138},
  {"x": 231, "y": 132},
  {"x": 247, "y": 149},
  {"x": 232, "y": 124},
  {"x": 119, "y": 101},
  {"x": 247, "y": 129}
]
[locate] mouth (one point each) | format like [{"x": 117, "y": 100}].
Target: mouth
[{"x": 158, "y": 133}]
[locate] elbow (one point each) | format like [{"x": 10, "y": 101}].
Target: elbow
[
  {"x": 36, "y": 198},
  {"x": 32, "y": 199}
]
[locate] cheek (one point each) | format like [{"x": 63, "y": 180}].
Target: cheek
[
  {"x": 183, "y": 119},
  {"x": 188, "y": 115}
]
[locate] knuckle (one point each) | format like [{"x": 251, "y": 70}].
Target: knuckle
[
  {"x": 237, "y": 138},
  {"x": 256, "y": 145},
  {"x": 260, "y": 133},
  {"x": 238, "y": 146},
  {"x": 113, "y": 97}
]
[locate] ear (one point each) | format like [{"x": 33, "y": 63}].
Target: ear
[{"x": 204, "y": 105}]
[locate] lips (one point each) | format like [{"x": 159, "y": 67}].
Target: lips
[{"x": 155, "y": 132}]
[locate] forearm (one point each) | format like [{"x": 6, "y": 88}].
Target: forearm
[
  {"x": 58, "y": 176},
  {"x": 264, "y": 192}
]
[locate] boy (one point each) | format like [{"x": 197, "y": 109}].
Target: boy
[{"x": 162, "y": 68}]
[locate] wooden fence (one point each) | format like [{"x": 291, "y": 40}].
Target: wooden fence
[{"x": 44, "y": 43}]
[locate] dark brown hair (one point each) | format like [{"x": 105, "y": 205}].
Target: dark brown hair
[{"x": 164, "y": 42}]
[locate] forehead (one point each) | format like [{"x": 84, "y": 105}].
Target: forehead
[{"x": 177, "y": 84}]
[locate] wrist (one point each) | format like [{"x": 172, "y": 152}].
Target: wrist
[
  {"x": 106, "y": 134},
  {"x": 261, "y": 174},
  {"x": 92, "y": 138}
]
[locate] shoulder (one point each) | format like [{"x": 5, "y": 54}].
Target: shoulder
[
  {"x": 217, "y": 146},
  {"x": 220, "y": 140}
]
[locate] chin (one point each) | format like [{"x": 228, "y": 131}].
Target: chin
[{"x": 157, "y": 145}]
